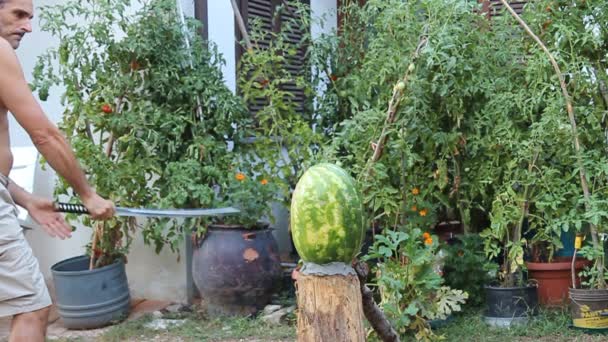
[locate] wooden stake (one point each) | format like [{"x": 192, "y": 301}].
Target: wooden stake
[
  {"x": 241, "y": 24},
  {"x": 94, "y": 246},
  {"x": 394, "y": 103},
  {"x": 329, "y": 308}
]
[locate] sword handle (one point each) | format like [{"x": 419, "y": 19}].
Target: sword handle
[{"x": 70, "y": 208}]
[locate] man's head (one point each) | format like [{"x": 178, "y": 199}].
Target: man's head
[{"x": 15, "y": 20}]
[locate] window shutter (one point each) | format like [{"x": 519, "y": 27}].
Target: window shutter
[
  {"x": 296, "y": 64},
  {"x": 264, "y": 11},
  {"x": 496, "y": 8}
]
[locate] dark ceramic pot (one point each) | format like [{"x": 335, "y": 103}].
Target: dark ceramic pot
[{"x": 236, "y": 270}]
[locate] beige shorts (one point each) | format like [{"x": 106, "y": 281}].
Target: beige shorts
[{"x": 22, "y": 286}]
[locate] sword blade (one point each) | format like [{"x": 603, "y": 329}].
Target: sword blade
[
  {"x": 149, "y": 212},
  {"x": 146, "y": 212}
]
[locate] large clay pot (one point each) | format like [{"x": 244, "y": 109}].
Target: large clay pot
[
  {"x": 236, "y": 270},
  {"x": 554, "y": 279}
]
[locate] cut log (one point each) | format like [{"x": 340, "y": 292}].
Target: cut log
[{"x": 329, "y": 308}]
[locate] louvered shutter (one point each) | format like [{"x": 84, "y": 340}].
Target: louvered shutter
[
  {"x": 296, "y": 64},
  {"x": 264, "y": 10},
  {"x": 495, "y": 7}
]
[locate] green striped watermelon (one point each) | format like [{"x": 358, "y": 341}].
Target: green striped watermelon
[{"x": 327, "y": 223}]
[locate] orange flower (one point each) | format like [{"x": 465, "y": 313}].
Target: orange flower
[
  {"x": 240, "y": 177},
  {"x": 428, "y": 241},
  {"x": 414, "y": 208},
  {"x": 415, "y": 191},
  {"x": 423, "y": 212},
  {"x": 426, "y": 236},
  {"x": 264, "y": 181}
]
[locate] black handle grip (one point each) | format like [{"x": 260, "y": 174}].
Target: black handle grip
[{"x": 70, "y": 208}]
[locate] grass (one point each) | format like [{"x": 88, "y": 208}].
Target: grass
[
  {"x": 549, "y": 325},
  {"x": 198, "y": 328}
]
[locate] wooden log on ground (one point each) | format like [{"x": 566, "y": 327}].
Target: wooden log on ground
[{"x": 329, "y": 307}]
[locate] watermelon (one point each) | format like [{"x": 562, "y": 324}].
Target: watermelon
[{"x": 327, "y": 221}]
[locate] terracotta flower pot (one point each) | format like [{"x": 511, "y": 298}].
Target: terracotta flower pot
[{"x": 554, "y": 279}]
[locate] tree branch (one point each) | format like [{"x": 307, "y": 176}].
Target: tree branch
[{"x": 372, "y": 312}]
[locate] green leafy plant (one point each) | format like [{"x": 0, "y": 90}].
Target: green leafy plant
[
  {"x": 146, "y": 109},
  {"x": 283, "y": 135},
  {"x": 474, "y": 124},
  {"x": 252, "y": 196},
  {"x": 411, "y": 289},
  {"x": 571, "y": 36},
  {"x": 455, "y": 135},
  {"x": 467, "y": 268}
]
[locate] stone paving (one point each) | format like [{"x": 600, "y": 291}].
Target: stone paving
[{"x": 56, "y": 330}]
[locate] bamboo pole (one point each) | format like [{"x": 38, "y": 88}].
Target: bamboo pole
[
  {"x": 241, "y": 24},
  {"x": 394, "y": 103},
  {"x": 94, "y": 245}
]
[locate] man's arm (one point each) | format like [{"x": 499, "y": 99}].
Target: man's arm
[
  {"x": 15, "y": 94},
  {"x": 17, "y": 97},
  {"x": 41, "y": 210},
  {"x": 19, "y": 195}
]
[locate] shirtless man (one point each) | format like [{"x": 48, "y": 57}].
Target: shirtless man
[{"x": 23, "y": 293}]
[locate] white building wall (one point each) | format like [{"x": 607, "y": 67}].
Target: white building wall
[
  {"x": 150, "y": 275},
  {"x": 326, "y": 9},
  {"x": 221, "y": 28}
]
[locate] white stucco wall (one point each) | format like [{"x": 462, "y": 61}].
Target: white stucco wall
[
  {"x": 221, "y": 28},
  {"x": 150, "y": 275},
  {"x": 326, "y": 9}
]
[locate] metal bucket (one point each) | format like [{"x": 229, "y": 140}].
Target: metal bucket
[
  {"x": 507, "y": 306},
  {"x": 589, "y": 308},
  {"x": 88, "y": 299}
]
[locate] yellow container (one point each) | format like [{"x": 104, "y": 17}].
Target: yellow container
[{"x": 578, "y": 242}]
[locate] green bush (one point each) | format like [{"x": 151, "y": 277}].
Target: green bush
[{"x": 467, "y": 268}]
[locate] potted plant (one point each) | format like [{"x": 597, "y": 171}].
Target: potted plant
[
  {"x": 583, "y": 91},
  {"x": 449, "y": 138},
  {"x": 512, "y": 300},
  {"x": 531, "y": 198},
  {"x": 552, "y": 273},
  {"x": 236, "y": 264},
  {"x": 149, "y": 117}
]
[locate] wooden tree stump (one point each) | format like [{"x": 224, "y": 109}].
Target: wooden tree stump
[{"x": 329, "y": 305}]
